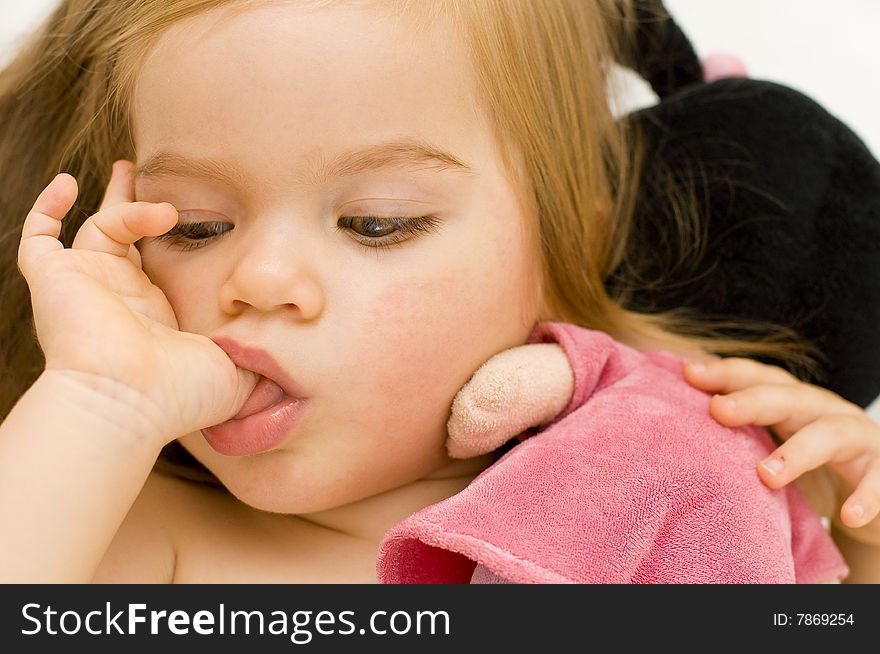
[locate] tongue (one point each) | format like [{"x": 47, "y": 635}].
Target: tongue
[{"x": 265, "y": 394}]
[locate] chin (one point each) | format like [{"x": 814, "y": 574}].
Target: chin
[
  {"x": 267, "y": 482},
  {"x": 278, "y": 488},
  {"x": 264, "y": 495},
  {"x": 269, "y": 502}
]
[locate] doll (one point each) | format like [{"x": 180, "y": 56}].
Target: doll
[{"x": 790, "y": 209}]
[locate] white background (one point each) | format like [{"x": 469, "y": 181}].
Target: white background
[{"x": 826, "y": 49}]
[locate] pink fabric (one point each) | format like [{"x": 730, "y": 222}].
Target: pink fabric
[{"x": 633, "y": 483}]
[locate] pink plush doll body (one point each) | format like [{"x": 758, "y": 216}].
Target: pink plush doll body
[{"x": 622, "y": 476}]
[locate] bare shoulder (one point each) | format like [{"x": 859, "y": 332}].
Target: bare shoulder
[{"x": 147, "y": 545}]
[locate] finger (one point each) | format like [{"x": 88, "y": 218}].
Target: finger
[
  {"x": 121, "y": 189},
  {"x": 734, "y": 374},
  {"x": 121, "y": 186},
  {"x": 115, "y": 229},
  {"x": 830, "y": 439},
  {"x": 863, "y": 505},
  {"x": 786, "y": 407},
  {"x": 42, "y": 226},
  {"x": 134, "y": 255}
]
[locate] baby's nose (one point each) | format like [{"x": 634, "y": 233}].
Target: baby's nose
[{"x": 280, "y": 276}]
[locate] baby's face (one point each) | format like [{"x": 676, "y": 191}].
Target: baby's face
[{"x": 380, "y": 339}]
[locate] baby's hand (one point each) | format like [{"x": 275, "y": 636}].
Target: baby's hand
[
  {"x": 526, "y": 386},
  {"x": 818, "y": 428},
  {"x": 103, "y": 324}
]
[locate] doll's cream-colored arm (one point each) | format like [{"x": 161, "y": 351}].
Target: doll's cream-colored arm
[
  {"x": 526, "y": 386},
  {"x": 72, "y": 463}
]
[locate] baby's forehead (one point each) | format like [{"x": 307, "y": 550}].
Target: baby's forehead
[
  {"x": 279, "y": 80},
  {"x": 289, "y": 46},
  {"x": 327, "y": 20}
]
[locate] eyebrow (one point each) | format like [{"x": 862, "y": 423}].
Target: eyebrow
[{"x": 377, "y": 157}]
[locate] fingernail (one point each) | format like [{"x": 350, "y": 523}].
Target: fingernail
[
  {"x": 773, "y": 466},
  {"x": 698, "y": 367},
  {"x": 727, "y": 401},
  {"x": 857, "y": 509}
]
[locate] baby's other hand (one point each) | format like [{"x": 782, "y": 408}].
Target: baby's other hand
[
  {"x": 817, "y": 426},
  {"x": 523, "y": 387}
]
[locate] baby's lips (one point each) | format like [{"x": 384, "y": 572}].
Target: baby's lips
[{"x": 265, "y": 394}]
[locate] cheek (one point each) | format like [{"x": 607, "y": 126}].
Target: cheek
[
  {"x": 185, "y": 286},
  {"x": 437, "y": 330}
]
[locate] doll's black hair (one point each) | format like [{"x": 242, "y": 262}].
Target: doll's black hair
[{"x": 789, "y": 202}]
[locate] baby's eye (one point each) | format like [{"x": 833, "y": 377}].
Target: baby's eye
[
  {"x": 192, "y": 236},
  {"x": 379, "y": 232},
  {"x": 370, "y": 225}
]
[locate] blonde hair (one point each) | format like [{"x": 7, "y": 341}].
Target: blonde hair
[{"x": 541, "y": 67}]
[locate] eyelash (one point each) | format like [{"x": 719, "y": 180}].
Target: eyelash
[
  {"x": 176, "y": 235},
  {"x": 408, "y": 227},
  {"x": 405, "y": 228}
]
